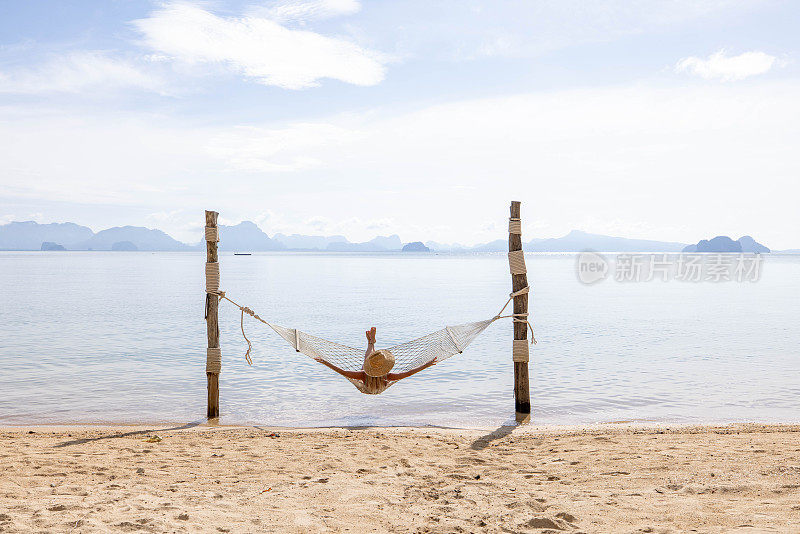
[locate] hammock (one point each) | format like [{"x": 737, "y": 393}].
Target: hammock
[
  {"x": 437, "y": 346},
  {"x": 434, "y": 347}
]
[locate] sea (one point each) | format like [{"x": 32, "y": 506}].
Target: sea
[{"x": 120, "y": 337}]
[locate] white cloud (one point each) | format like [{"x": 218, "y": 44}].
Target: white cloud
[
  {"x": 253, "y": 149},
  {"x": 258, "y": 48},
  {"x": 163, "y": 216},
  {"x": 79, "y": 72},
  {"x": 308, "y": 10},
  {"x": 728, "y": 68}
]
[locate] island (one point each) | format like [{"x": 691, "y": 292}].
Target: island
[
  {"x": 724, "y": 244},
  {"x": 50, "y": 246},
  {"x": 415, "y": 246}
]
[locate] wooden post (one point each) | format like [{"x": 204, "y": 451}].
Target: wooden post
[
  {"x": 519, "y": 281},
  {"x": 212, "y": 315}
]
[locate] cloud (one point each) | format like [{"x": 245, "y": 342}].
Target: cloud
[
  {"x": 258, "y": 48},
  {"x": 162, "y": 216},
  {"x": 728, "y": 68},
  {"x": 308, "y": 10},
  {"x": 601, "y": 159},
  {"x": 79, "y": 72},
  {"x": 252, "y": 149}
]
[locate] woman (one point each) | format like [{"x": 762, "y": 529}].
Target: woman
[{"x": 374, "y": 376}]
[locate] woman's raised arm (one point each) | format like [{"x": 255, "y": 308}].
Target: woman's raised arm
[
  {"x": 406, "y": 374},
  {"x": 355, "y": 375}
]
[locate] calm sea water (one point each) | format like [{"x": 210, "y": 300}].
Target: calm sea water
[{"x": 120, "y": 337}]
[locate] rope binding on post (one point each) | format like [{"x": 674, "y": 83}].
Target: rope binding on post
[
  {"x": 212, "y": 277},
  {"x": 520, "y": 352},
  {"x": 212, "y": 234},
  {"x": 516, "y": 262},
  {"x": 213, "y": 360}
]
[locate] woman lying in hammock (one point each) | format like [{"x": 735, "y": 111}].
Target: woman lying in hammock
[{"x": 374, "y": 376}]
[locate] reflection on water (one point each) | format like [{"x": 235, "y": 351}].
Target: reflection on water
[{"x": 120, "y": 337}]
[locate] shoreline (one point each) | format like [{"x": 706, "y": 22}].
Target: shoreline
[
  {"x": 590, "y": 478},
  {"x": 519, "y": 428}
]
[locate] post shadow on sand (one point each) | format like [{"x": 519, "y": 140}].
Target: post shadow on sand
[
  {"x": 501, "y": 432},
  {"x": 127, "y": 434}
]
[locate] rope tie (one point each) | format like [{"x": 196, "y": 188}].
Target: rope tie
[
  {"x": 248, "y": 311},
  {"x": 516, "y": 262},
  {"x": 212, "y": 234},
  {"x": 514, "y": 225},
  {"x": 523, "y": 318},
  {"x": 517, "y": 317},
  {"x": 522, "y": 291},
  {"x": 251, "y": 313},
  {"x": 511, "y": 296}
]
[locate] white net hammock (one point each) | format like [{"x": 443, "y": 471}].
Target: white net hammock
[
  {"x": 437, "y": 346},
  {"x": 433, "y": 347}
]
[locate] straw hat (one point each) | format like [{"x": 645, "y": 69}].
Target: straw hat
[{"x": 379, "y": 363}]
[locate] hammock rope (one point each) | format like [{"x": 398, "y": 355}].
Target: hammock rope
[{"x": 436, "y": 346}]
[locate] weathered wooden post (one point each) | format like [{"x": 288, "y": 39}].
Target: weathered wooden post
[
  {"x": 213, "y": 353},
  {"x": 519, "y": 282}
]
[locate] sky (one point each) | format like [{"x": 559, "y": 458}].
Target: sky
[{"x": 673, "y": 120}]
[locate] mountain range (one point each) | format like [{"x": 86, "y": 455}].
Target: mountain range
[{"x": 248, "y": 237}]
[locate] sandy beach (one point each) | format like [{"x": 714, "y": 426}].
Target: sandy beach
[{"x": 743, "y": 478}]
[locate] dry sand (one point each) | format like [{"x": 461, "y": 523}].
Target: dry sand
[{"x": 232, "y": 479}]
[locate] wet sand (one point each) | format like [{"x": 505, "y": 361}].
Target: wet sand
[{"x": 742, "y": 478}]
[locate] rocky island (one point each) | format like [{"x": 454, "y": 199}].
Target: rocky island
[
  {"x": 416, "y": 246},
  {"x": 724, "y": 244}
]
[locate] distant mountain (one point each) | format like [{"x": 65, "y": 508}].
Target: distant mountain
[
  {"x": 379, "y": 244},
  {"x": 246, "y": 236},
  {"x": 30, "y": 235},
  {"x": 415, "y": 246},
  {"x": 124, "y": 246},
  {"x": 443, "y": 247},
  {"x": 308, "y": 242},
  {"x": 577, "y": 241},
  {"x": 722, "y": 244},
  {"x": 499, "y": 245},
  {"x": 49, "y": 246},
  {"x": 750, "y": 245},
  {"x": 142, "y": 238},
  {"x": 391, "y": 242}
]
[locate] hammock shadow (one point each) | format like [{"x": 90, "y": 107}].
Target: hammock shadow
[
  {"x": 128, "y": 434},
  {"x": 484, "y": 441}
]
